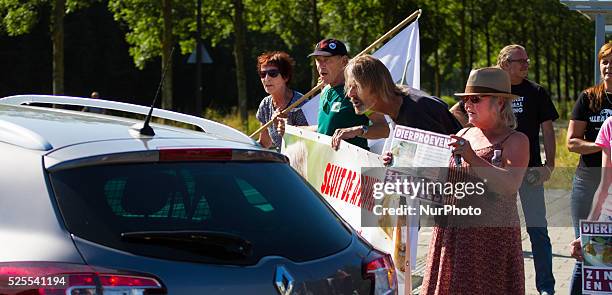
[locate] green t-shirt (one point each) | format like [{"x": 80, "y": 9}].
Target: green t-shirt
[{"x": 336, "y": 111}]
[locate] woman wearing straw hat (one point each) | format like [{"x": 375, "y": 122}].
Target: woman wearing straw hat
[{"x": 483, "y": 257}]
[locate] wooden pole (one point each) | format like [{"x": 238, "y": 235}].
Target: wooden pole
[
  {"x": 314, "y": 90},
  {"x": 408, "y": 265}
]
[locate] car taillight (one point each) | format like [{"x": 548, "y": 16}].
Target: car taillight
[
  {"x": 216, "y": 154},
  {"x": 171, "y": 155},
  {"x": 50, "y": 278},
  {"x": 378, "y": 267}
]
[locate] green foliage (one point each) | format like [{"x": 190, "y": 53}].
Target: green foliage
[
  {"x": 232, "y": 119},
  {"x": 143, "y": 19},
  {"x": 565, "y": 161},
  {"x": 564, "y": 158},
  {"x": 144, "y": 22},
  {"x": 217, "y": 19},
  {"x": 449, "y": 100},
  {"x": 564, "y": 108},
  {"x": 455, "y": 36},
  {"x": 20, "y": 16},
  {"x": 75, "y": 5},
  {"x": 292, "y": 21}
]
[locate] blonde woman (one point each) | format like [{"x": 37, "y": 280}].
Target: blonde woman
[{"x": 486, "y": 257}]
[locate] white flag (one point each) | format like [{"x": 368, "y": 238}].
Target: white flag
[{"x": 401, "y": 56}]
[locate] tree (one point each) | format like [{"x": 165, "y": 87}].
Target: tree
[
  {"x": 167, "y": 49},
  {"x": 297, "y": 23},
  {"x": 230, "y": 19},
  {"x": 152, "y": 27},
  {"x": 239, "y": 56},
  {"x": 20, "y": 16}
]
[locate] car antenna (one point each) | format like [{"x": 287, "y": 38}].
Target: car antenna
[{"x": 145, "y": 128}]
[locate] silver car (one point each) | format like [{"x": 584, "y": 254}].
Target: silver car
[{"x": 90, "y": 205}]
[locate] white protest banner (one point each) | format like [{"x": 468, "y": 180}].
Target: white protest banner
[{"x": 337, "y": 175}]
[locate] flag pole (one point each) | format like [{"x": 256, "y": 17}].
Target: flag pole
[
  {"x": 408, "y": 260},
  {"x": 316, "y": 89}
]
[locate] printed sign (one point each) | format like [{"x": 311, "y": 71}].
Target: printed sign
[
  {"x": 422, "y": 150},
  {"x": 596, "y": 240}
]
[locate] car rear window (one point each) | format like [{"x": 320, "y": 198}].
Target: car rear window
[{"x": 267, "y": 204}]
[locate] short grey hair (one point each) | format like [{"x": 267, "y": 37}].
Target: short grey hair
[{"x": 504, "y": 54}]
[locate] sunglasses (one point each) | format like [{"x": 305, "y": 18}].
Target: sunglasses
[
  {"x": 525, "y": 61},
  {"x": 271, "y": 73},
  {"x": 473, "y": 98}
]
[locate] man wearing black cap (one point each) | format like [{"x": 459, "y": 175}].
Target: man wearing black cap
[{"x": 337, "y": 117}]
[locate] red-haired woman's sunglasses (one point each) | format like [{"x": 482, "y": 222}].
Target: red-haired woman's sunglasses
[{"x": 271, "y": 73}]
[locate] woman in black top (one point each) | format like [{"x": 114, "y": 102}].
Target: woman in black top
[{"x": 592, "y": 108}]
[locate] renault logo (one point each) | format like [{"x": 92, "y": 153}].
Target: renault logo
[{"x": 283, "y": 281}]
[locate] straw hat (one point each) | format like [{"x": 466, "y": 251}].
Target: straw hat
[{"x": 488, "y": 81}]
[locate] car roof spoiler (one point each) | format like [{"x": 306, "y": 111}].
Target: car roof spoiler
[{"x": 207, "y": 126}]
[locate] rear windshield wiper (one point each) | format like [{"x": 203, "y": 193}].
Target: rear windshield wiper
[{"x": 210, "y": 243}]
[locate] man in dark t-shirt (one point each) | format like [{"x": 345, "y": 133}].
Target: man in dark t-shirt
[
  {"x": 533, "y": 110},
  {"x": 370, "y": 88},
  {"x": 406, "y": 106},
  {"x": 422, "y": 111}
]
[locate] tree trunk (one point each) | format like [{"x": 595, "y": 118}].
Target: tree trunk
[
  {"x": 472, "y": 26},
  {"x": 487, "y": 23},
  {"x": 436, "y": 71},
  {"x": 588, "y": 70},
  {"x": 57, "y": 38},
  {"x": 199, "y": 101},
  {"x": 536, "y": 49},
  {"x": 575, "y": 72},
  {"x": 316, "y": 36},
  {"x": 166, "y": 66},
  {"x": 559, "y": 59},
  {"x": 462, "y": 59},
  {"x": 488, "y": 43},
  {"x": 568, "y": 81},
  {"x": 558, "y": 75},
  {"x": 436, "y": 68},
  {"x": 548, "y": 71},
  {"x": 239, "y": 54}
]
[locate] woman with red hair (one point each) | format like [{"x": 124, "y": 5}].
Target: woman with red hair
[{"x": 275, "y": 70}]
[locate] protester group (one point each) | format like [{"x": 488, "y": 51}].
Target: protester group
[{"x": 500, "y": 112}]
